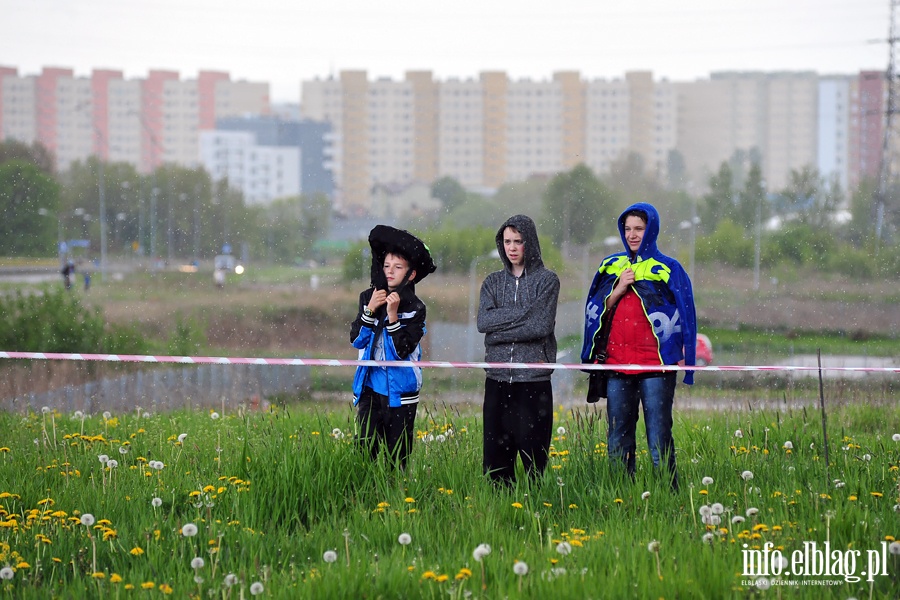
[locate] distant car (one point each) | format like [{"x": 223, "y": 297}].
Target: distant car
[{"x": 704, "y": 350}]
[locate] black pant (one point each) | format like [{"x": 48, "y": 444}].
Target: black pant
[
  {"x": 518, "y": 421},
  {"x": 381, "y": 425}
]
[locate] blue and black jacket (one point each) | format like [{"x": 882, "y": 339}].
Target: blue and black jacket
[
  {"x": 376, "y": 339},
  {"x": 663, "y": 287}
]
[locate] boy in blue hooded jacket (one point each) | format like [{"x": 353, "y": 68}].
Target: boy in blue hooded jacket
[{"x": 650, "y": 299}]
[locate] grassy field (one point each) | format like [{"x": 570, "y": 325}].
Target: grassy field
[{"x": 281, "y": 504}]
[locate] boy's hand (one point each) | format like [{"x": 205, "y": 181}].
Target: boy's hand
[
  {"x": 377, "y": 299},
  {"x": 393, "y": 304}
]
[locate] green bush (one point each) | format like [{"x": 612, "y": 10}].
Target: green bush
[{"x": 56, "y": 321}]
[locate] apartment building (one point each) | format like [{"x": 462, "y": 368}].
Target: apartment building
[
  {"x": 262, "y": 173},
  {"x": 145, "y": 122}
]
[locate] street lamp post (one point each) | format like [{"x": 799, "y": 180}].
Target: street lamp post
[
  {"x": 470, "y": 344},
  {"x": 153, "y": 196},
  {"x": 758, "y": 244},
  {"x": 59, "y": 234}
]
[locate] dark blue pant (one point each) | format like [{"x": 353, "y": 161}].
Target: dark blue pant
[
  {"x": 657, "y": 394},
  {"x": 518, "y": 421},
  {"x": 381, "y": 425}
]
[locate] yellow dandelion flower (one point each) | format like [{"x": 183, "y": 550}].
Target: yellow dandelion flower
[
  {"x": 852, "y": 498},
  {"x": 209, "y": 489},
  {"x": 383, "y": 505},
  {"x": 889, "y": 538},
  {"x": 442, "y": 578},
  {"x": 464, "y": 572},
  {"x": 517, "y": 505},
  {"x": 4, "y": 449},
  {"x": 428, "y": 575},
  {"x": 573, "y": 506},
  {"x": 194, "y": 494},
  {"x": 410, "y": 500},
  {"x": 98, "y": 575},
  {"x": 411, "y": 568},
  {"x": 148, "y": 585},
  {"x": 412, "y": 510},
  {"x": 876, "y": 494},
  {"x": 703, "y": 492},
  {"x": 115, "y": 578},
  {"x": 23, "y": 565},
  {"x": 618, "y": 501},
  {"x": 165, "y": 588},
  {"x": 136, "y": 551}
]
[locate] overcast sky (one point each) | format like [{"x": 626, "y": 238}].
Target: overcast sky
[{"x": 284, "y": 42}]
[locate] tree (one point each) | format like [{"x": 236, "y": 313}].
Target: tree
[
  {"x": 718, "y": 203},
  {"x": 36, "y": 154},
  {"x": 810, "y": 199},
  {"x": 25, "y": 193},
  {"x": 573, "y": 203},
  {"x": 752, "y": 208},
  {"x": 449, "y": 191}
]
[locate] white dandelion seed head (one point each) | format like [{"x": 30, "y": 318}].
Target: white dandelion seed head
[
  {"x": 752, "y": 512},
  {"x": 198, "y": 580},
  {"x": 707, "y": 481},
  {"x": 564, "y": 548},
  {"x": 213, "y": 415},
  {"x": 107, "y": 415},
  {"x": 791, "y": 469},
  {"x": 146, "y": 415},
  {"x": 112, "y": 463},
  {"x": 711, "y": 520},
  {"x": 405, "y": 539},
  {"x": 763, "y": 583},
  {"x": 182, "y": 437},
  {"x": 78, "y": 415},
  {"x": 429, "y": 437},
  {"x": 788, "y": 445},
  {"x": 812, "y": 446},
  {"x": 894, "y": 548},
  {"x": 717, "y": 508},
  {"x": 782, "y": 562},
  {"x": 197, "y": 563},
  {"x": 87, "y": 519},
  {"x": 45, "y": 409},
  {"x": 738, "y": 433},
  {"x": 156, "y": 502},
  {"x": 189, "y": 530},
  {"x": 7, "y": 573},
  {"x": 559, "y": 431},
  {"x": 329, "y": 556},
  {"x": 481, "y": 551},
  {"x": 708, "y": 538},
  {"x": 256, "y": 588},
  {"x": 520, "y": 568},
  {"x": 705, "y": 510},
  {"x": 839, "y": 484},
  {"x": 645, "y": 495},
  {"x": 653, "y": 546},
  {"x": 737, "y": 519},
  {"x": 450, "y": 432},
  {"x": 123, "y": 449},
  {"x": 896, "y": 437},
  {"x": 441, "y": 438},
  {"x": 230, "y": 580},
  {"x": 103, "y": 458},
  {"x": 867, "y": 457},
  {"x": 897, "y": 508},
  {"x": 747, "y": 475}
]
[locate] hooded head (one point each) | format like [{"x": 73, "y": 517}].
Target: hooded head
[
  {"x": 651, "y": 233},
  {"x": 383, "y": 240},
  {"x": 532, "y": 247}
]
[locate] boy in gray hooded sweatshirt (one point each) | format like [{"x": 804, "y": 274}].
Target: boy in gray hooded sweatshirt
[{"x": 517, "y": 314}]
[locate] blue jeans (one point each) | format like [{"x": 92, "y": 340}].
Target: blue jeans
[{"x": 657, "y": 394}]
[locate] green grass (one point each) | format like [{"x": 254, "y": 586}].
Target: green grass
[{"x": 271, "y": 492}]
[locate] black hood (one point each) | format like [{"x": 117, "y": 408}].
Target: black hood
[
  {"x": 384, "y": 239},
  {"x": 526, "y": 227}
]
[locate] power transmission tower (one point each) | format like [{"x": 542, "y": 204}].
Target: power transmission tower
[{"x": 888, "y": 151}]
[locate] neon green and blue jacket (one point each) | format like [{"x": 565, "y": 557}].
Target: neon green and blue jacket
[{"x": 663, "y": 287}]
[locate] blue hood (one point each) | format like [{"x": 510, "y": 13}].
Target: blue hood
[{"x": 648, "y": 244}]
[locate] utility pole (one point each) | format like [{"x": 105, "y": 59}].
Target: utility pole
[{"x": 887, "y": 147}]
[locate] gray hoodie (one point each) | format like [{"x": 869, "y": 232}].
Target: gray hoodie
[{"x": 518, "y": 314}]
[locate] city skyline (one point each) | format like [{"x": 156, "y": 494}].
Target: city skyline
[{"x": 285, "y": 45}]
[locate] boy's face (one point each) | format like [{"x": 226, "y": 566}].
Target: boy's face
[
  {"x": 396, "y": 269},
  {"x": 514, "y": 246},
  {"x": 634, "y": 232}
]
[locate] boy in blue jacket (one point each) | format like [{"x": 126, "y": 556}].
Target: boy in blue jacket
[{"x": 388, "y": 326}]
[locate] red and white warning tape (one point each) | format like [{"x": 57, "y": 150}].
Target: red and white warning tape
[{"x": 331, "y": 362}]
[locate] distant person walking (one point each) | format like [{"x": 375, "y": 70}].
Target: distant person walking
[
  {"x": 650, "y": 299},
  {"x": 517, "y": 314},
  {"x": 68, "y": 272}
]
